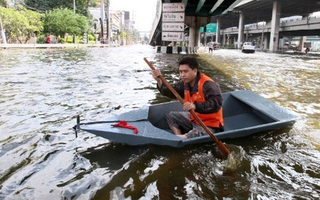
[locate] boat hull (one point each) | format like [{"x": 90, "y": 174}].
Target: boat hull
[{"x": 245, "y": 113}]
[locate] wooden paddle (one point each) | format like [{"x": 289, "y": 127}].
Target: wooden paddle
[{"x": 219, "y": 144}]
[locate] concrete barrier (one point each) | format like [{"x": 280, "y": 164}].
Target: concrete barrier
[
  {"x": 176, "y": 49},
  {"x": 183, "y": 50},
  {"x": 163, "y": 49},
  {"x": 158, "y": 49}
]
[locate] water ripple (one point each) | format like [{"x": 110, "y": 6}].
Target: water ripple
[{"x": 43, "y": 90}]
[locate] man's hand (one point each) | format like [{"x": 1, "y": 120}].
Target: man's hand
[
  {"x": 156, "y": 75},
  {"x": 189, "y": 106}
]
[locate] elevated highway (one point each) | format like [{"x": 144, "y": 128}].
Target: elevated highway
[
  {"x": 261, "y": 10},
  {"x": 198, "y": 13},
  {"x": 234, "y": 15}
]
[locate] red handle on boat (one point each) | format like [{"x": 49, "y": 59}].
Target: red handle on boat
[{"x": 219, "y": 144}]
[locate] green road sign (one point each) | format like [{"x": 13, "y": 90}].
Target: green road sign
[{"x": 210, "y": 28}]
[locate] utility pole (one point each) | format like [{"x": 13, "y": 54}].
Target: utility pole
[
  {"x": 108, "y": 23},
  {"x": 2, "y": 33},
  {"x": 74, "y": 12},
  {"x": 102, "y": 21}
]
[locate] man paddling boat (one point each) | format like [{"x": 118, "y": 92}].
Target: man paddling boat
[{"x": 200, "y": 93}]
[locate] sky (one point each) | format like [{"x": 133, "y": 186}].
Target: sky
[{"x": 143, "y": 11}]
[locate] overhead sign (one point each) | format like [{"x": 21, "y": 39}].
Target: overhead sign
[
  {"x": 172, "y": 26},
  {"x": 172, "y": 17},
  {"x": 173, "y": 7},
  {"x": 210, "y": 28},
  {"x": 173, "y": 21},
  {"x": 172, "y": 36}
]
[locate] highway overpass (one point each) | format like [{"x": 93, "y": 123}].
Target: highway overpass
[
  {"x": 198, "y": 13},
  {"x": 234, "y": 15}
]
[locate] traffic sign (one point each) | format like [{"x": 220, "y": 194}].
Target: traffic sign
[
  {"x": 210, "y": 28},
  {"x": 172, "y": 17},
  {"x": 172, "y": 26},
  {"x": 174, "y": 14},
  {"x": 172, "y": 36},
  {"x": 173, "y": 7}
]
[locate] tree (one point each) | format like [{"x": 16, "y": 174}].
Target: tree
[
  {"x": 20, "y": 24},
  {"x": 61, "y": 21},
  {"x": 47, "y": 5},
  {"x": 3, "y": 3},
  {"x": 34, "y": 23}
]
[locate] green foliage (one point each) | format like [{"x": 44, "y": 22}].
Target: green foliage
[
  {"x": 3, "y": 3},
  {"x": 21, "y": 23},
  {"x": 91, "y": 37},
  {"x": 92, "y": 3},
  {"x": 123, "y": 34},
  {"x": 63, "y": 21},
  {"x": 47, "y": 5},
  {"x": 41, "y": 40}
]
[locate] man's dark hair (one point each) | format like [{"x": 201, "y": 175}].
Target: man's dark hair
[{"x": 191, "y": 61}]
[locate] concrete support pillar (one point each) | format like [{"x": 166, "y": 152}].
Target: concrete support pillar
[
  {"x": 218, "y": 31},
  {"x": 194, "y": 23},
  {"x": 262, "y": 43},
  {"x": 241, "y": 28},
  {"x": 302, "y": 40},
  {"x": 266, "y": 41},
  {"x": 224, "y": 39},
  {"x": 275, "y": 21},
  {"x": 194, "y": 36},
  {"x": 191, "y": 37}
]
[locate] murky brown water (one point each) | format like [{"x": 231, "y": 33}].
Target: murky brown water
[{"x": 43, "y": 90}]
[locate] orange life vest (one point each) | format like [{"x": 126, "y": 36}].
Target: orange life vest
[{"x": 214, "y": 120}]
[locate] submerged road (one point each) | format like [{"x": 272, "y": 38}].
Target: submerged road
[{"x": 42, "y": 91}]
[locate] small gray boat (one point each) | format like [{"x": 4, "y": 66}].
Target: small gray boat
[{"x": 245, "y": 113}]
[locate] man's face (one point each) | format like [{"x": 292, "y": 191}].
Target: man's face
[{"x": 187, "y": 74}]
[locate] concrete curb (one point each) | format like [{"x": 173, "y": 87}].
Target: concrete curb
[{"x": 10, "y": 46}]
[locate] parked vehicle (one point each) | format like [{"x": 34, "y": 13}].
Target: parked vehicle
[
  {"x": 216, "y": 46},
  {"x": 247, "y": 47}
]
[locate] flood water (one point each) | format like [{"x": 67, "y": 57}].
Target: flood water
[{"x": 42, "y": 91}]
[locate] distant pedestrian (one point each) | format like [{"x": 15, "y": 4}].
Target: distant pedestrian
[
  {"x": 307, "y": 50},
  {"x": 210, "y": 45},
  {"x": 48, "y": 39}
]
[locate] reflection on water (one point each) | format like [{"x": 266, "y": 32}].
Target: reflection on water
[{"x": 43, "y": 90}]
